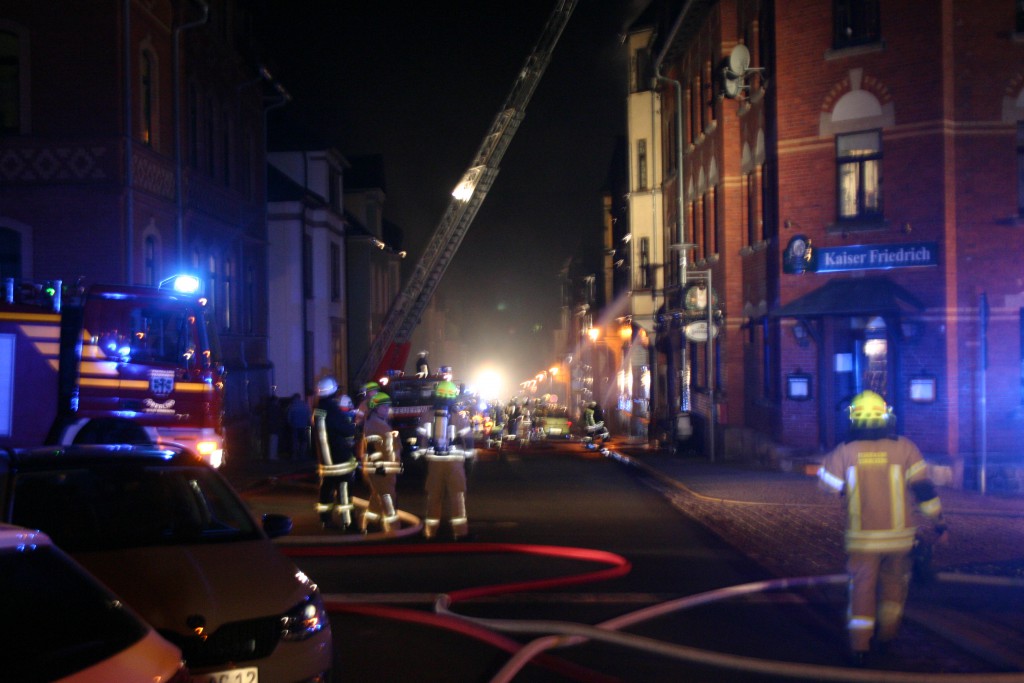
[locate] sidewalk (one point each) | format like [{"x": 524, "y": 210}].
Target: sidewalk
[{"x": 787, "y": 523}]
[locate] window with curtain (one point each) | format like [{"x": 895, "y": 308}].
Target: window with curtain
[{"x": 859, "y": 176}]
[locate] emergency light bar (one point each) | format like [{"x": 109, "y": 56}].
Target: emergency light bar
[{"x": 183, "y": 284}]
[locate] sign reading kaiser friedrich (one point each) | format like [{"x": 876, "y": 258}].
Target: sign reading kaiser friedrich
[{"x": 863, "y": 257}]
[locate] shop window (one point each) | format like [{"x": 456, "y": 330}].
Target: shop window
[
  {"x": 856, "y": 22},
  {"x": 859, "y": 176}
]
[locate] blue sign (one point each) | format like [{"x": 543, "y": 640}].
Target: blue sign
[{"x": 876, "y": 257}]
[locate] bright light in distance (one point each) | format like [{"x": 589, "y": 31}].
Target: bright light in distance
[{"x": 489, "y": 383}]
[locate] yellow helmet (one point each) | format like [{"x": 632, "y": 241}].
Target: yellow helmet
[
  {"x": 378, "y": 400},
  {"x": 868, "y": 410},
  {"x": 446, "y": 389}
]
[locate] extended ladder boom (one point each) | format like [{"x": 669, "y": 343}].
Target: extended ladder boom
[{"x": 411, "y": 302}]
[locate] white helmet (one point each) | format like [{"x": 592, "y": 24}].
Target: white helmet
[
  {"x": 345, "y": 401},
  {"x": 327, "y": 386}
]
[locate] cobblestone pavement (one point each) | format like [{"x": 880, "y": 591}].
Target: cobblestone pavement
[{"x": 793, "y": 528}]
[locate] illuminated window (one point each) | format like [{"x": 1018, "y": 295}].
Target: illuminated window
[
  {"x": 147, "y": 96},
  {"x": 856, "y": 22},
  {"x": 859, "y": 176}
]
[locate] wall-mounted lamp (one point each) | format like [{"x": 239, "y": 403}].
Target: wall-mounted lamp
[
  {"x": 922, "y": 389},
  {"x": 798, "y": 386},
  {"x": 800, "y": 334}
]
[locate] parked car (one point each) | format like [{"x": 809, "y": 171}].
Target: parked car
[
  {"x": 60, "y": 623},
  {"x": 168, "y": 534}
]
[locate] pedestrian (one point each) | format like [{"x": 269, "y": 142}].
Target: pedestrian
[
  {"x": 335, "y": 429},
  {"x": 300, "y": 419},
  {"x": 593, "y": 423},
  {"x": 446, "y": 464},
  {"x": 876, "y": 472},
  {"x": 275, "y": 424},
  {"x": 381, "y": 463}
]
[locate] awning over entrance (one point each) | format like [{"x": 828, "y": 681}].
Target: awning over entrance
[{"x": 852, "y": 296}]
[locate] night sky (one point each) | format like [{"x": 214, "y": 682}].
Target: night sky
[{"x": 421, "y": 83}]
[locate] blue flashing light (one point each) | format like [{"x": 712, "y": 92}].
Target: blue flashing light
[{"x": 183, "y": 284}]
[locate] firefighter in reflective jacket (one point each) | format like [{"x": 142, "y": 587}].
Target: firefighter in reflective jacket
[
  {"x": 877, "y": 472},
  {"x": 334, "y": 432},
  {"x": 446, "y": 464},
  {"x": 381, "y": 464}
]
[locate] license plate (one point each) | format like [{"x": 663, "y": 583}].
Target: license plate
[{"x": 247, "y": 675}]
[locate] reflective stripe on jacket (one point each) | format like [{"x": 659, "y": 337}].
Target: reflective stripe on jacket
[{"x": 876, "y": 475}]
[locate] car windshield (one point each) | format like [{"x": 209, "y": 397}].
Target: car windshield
[
  {"x": 57, "y": 618},
  {"x": 114, "y": 507}
]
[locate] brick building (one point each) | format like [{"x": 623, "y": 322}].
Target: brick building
[
  {"x": 851, "y": 178},
  {"x": 131, "y": 148}
]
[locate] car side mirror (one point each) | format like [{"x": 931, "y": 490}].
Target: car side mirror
[{"x": 275, "y": 525}]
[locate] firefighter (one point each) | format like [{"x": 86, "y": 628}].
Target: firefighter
[
  {"x": 381, "y": 463},
  {"x": 593, "y": 422},
  {"x": 334, "y": 432},
  {"x": 422, "y": 368},
  {"x": 446, "y": 464},
  {"x": 876, "y": 471},
  {"x": 369, "y": 390}
]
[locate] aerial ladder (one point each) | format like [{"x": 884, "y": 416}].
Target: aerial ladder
[{"x": 390, "y": 348}]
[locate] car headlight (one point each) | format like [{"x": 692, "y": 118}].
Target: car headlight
[{"x": 305, "y": 620}]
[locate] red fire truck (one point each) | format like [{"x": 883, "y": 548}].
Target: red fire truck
[{"x": 109, "y": 364}]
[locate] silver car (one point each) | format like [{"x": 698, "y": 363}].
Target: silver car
[{"x": 168, "y": 534}]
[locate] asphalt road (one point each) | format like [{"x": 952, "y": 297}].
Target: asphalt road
[{"x": 561, "y": 540}]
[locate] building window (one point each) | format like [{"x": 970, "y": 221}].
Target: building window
[
  {"x": 753, "y": 212},
  {"x": 226, "y": 148},
  {"x": 250, "y": 299},
  {"x": 149, "y": 260},
  {"x": 1019, "y": 17},
  {"x": 1020, "y": 165},
  {"x": 10, "y": 254},
  {"x": 193, "y": 126},
  {"x": 212, "y": 284},
  {"x": 335, "y": 272},
  {"x": 211, "y": 138},
  {"x": 859, "y": 176},
  {"x": 645, "y": 263},
  {"x": 228, "y": 294},
  {"x": 10, "y": 83},
  {"x": 856, "y": 22},
  {"x": 147, "y": 96},
  {"x": 307, "y": 267},
  {"x": 641, "y": 164}
]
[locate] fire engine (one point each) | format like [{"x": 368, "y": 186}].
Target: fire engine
[{"x": 109, "y": 364}]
